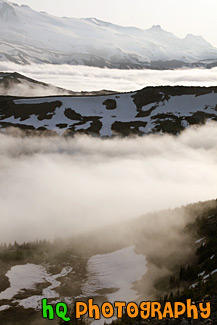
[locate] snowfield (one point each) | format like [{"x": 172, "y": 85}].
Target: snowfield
[
  {"x": 151, "y": 110},
  {"x": 118, "y": 270},
  {"x": 26, "y": 277}
]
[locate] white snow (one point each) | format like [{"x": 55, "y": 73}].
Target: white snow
[
  {"x": 202, "y": 273},
  {"x": 199, "y": 240},
  {"x": 205, "y": 277},
  {"x": 194, "y": 285},
  {"x": 26, "y": 277},
  {"x": 5, "y": 307},
  {"x": 49, "y": 292},
  {"x": 83, "y": 126},
  {"x": 126, "y": 111},
  {"x": 213, "y": 272},
  {"x": 23, "y": 277},
  {"x": 117, "y": 270},
  {"x": 39, "y": 37},
  {"x": 86, "y": 106}
]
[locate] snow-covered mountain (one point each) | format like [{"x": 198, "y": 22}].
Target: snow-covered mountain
[
  {"x": 30, "y": 36},
  {"x": 150, "y": 110}
]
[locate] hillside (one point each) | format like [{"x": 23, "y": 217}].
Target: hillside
[
  {"x": 28, "y": 36},
  {"x": 150, "y": 110},
  {"x": 16, "y": 84},
  {"x": 131, "y": 263},
  {"x": 195, "y": 279}
]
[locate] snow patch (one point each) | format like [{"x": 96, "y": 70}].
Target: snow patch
[
  {"x": 5, "y": 307},
  {"x": 201, "y": 274},
  {"x": 26, "y": 277},
  {"x": 117, "y": 270},
  {"x": 199, "y": 240}
]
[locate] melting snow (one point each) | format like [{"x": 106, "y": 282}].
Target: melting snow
[
  {"x": 118, "y": 270},
  {"x": 23, "y": 277},
  {"x": 208, "y": 275},
  {"x": 201, "y": 274},
  {"x": 83, "y": 126},
  {"x": 199, "y": 240},
  {"x": 126, "y": 111},
  {"x": 213, "y": 272},
  {"x": 5, "y": 307},
  {"x": 26, "y": 277},
  {"x": 194, "y": 285}
]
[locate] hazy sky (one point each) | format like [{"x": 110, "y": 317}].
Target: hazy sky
[{"x": 180, "y": 17}]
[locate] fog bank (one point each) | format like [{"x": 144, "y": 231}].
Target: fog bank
[
  {"x": 83, "y": 78},
  {"x": 58, "y": 187}
]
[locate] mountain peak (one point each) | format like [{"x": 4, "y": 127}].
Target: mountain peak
[
  {"x": 93, "y": 20},
  {"x": 31, "y": 36},
  {"x": 156, "y": 27},
  {"x": 191, "y": 36},
  {"x": 7, "y": 11},
  {"x": 196, "y": 39}
]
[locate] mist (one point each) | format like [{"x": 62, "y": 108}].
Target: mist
[
  {"x": 83, "y": 78},
  {"x": 57, "y": 187},
  {"x": 27, "y": 90}
]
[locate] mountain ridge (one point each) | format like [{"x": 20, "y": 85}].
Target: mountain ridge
[
  {"x": 16, "y": 84},
  {"x": 28, "y": 36},
  {"x": 162, "y": 109}
]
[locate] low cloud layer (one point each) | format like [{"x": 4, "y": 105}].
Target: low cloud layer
[
  {"x": 27, "y": 90},
  {"x": 58, "y": 187},
  {"x": 81, "y": 78}
]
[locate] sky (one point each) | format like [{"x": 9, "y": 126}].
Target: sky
[{"x": 184, "y": 17}]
